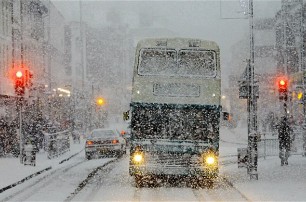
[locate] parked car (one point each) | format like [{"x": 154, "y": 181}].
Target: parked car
[{"x": 104, "y": 142}]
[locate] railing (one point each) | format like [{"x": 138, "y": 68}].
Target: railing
[
  {"x": 57, "y": 144},
  {"x": 270, "y": 146}
]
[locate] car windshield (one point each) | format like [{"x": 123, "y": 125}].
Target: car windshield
[{"x": 103, "y": 134}]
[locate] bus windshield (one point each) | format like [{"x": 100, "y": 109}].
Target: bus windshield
[
  {"x": 197, "y": 63},
  {"x": 157, "y": 62},
  {"x": 169, "y": 62}
]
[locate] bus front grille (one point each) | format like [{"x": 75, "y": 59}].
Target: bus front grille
[{"x": 171, "y": 160}]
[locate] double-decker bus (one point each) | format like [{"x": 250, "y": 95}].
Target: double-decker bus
[{"x": 175, "y": 109}]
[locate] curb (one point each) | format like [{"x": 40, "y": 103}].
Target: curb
[
  {"x": 24, "y": 179},
  {"x": 67, "y": 159},
  {"x": 35, "y": 174}
]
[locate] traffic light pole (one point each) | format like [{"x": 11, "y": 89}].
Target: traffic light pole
[{"x": 19, "y": 109}]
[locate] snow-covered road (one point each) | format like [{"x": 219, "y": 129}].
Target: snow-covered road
[
  {"x": 65, "y": 182},
  {"x": 113, "y": 183}
]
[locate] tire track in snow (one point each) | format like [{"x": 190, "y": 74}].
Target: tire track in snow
[
  {"x": 224, "y": 191},
  {"x": 105, "y": 168}
]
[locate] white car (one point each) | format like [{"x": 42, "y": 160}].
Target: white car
[{"x": 104, "y": 141}]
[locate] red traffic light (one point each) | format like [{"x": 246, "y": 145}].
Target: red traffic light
[
  {"x": 22, "y": 77},
  {"x": 19, "y": 74},
  {"x": 19, "y": 83},
  {"x": 282, "y": 85}
]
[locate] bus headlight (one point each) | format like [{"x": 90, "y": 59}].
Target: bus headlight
[
  {"x": 210, "y": 160},
  {"x": 138, "y": 158}
]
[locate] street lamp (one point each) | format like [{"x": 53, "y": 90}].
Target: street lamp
[{"x": 100, "y": 101}]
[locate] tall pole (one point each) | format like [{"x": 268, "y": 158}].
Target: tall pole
[
  {"x": 20, "y": 128},
  {"x": 303, "y": 70},
  {"x": 83, "y": 56},
  {"x": 284, "y": 15},
  {"x": 252, "y": 66},
  {"x": 19, "y": 98},
  {"x": 13, "y": 33},
  {"x": 302, "y": 67},
  {"x": 83, "y": 61},
  {"x": 49, "y": 62},
  {"x": 91, "y": 107},
  {"x": 21, "y": 33},
  {"x": 72, "y": 108},
  {"x": 252, "y": 104}
]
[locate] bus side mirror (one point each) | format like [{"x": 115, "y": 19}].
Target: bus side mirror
[
  {"x": 226, "y": 116},
  {"x": 126, "y": 115}
]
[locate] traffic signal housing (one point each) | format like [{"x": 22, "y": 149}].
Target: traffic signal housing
[
  {"x": 28, "y": 76},
  {"x": 19, "y": 79},
  {"x": 299, "y": 93},
  {"x": 283, "y": 88},
  {"x": 22, "y": 78},
  {"x": 126, "y": 115}
]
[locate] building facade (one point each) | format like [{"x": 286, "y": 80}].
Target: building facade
[
  {"x": 32, "y": 35},
  {"x": 290, "y": 48},
  {"x": 6, "y": 10},
  {"x": 6, "y": 86}
]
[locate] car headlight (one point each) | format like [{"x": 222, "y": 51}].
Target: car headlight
[{"x": 138, "y": 158}]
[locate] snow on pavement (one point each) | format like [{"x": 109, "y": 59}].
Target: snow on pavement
[
  {"x": 11, "y": 170},
  {"x": 275, "y": 183}
]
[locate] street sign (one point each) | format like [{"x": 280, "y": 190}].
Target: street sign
[{"x": 245, "y": 91}]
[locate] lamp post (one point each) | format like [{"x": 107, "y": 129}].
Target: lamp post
[
  {"x": 83, "y": 44},
  {"x": 248, "y": 90},
  {"x": 252, "y": 104},
  {"x": 100, "y": 102}
]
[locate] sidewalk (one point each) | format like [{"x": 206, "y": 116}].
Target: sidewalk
[
  {"x": 12, "y": 171},
  {"x": 275, "y": 183}
]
